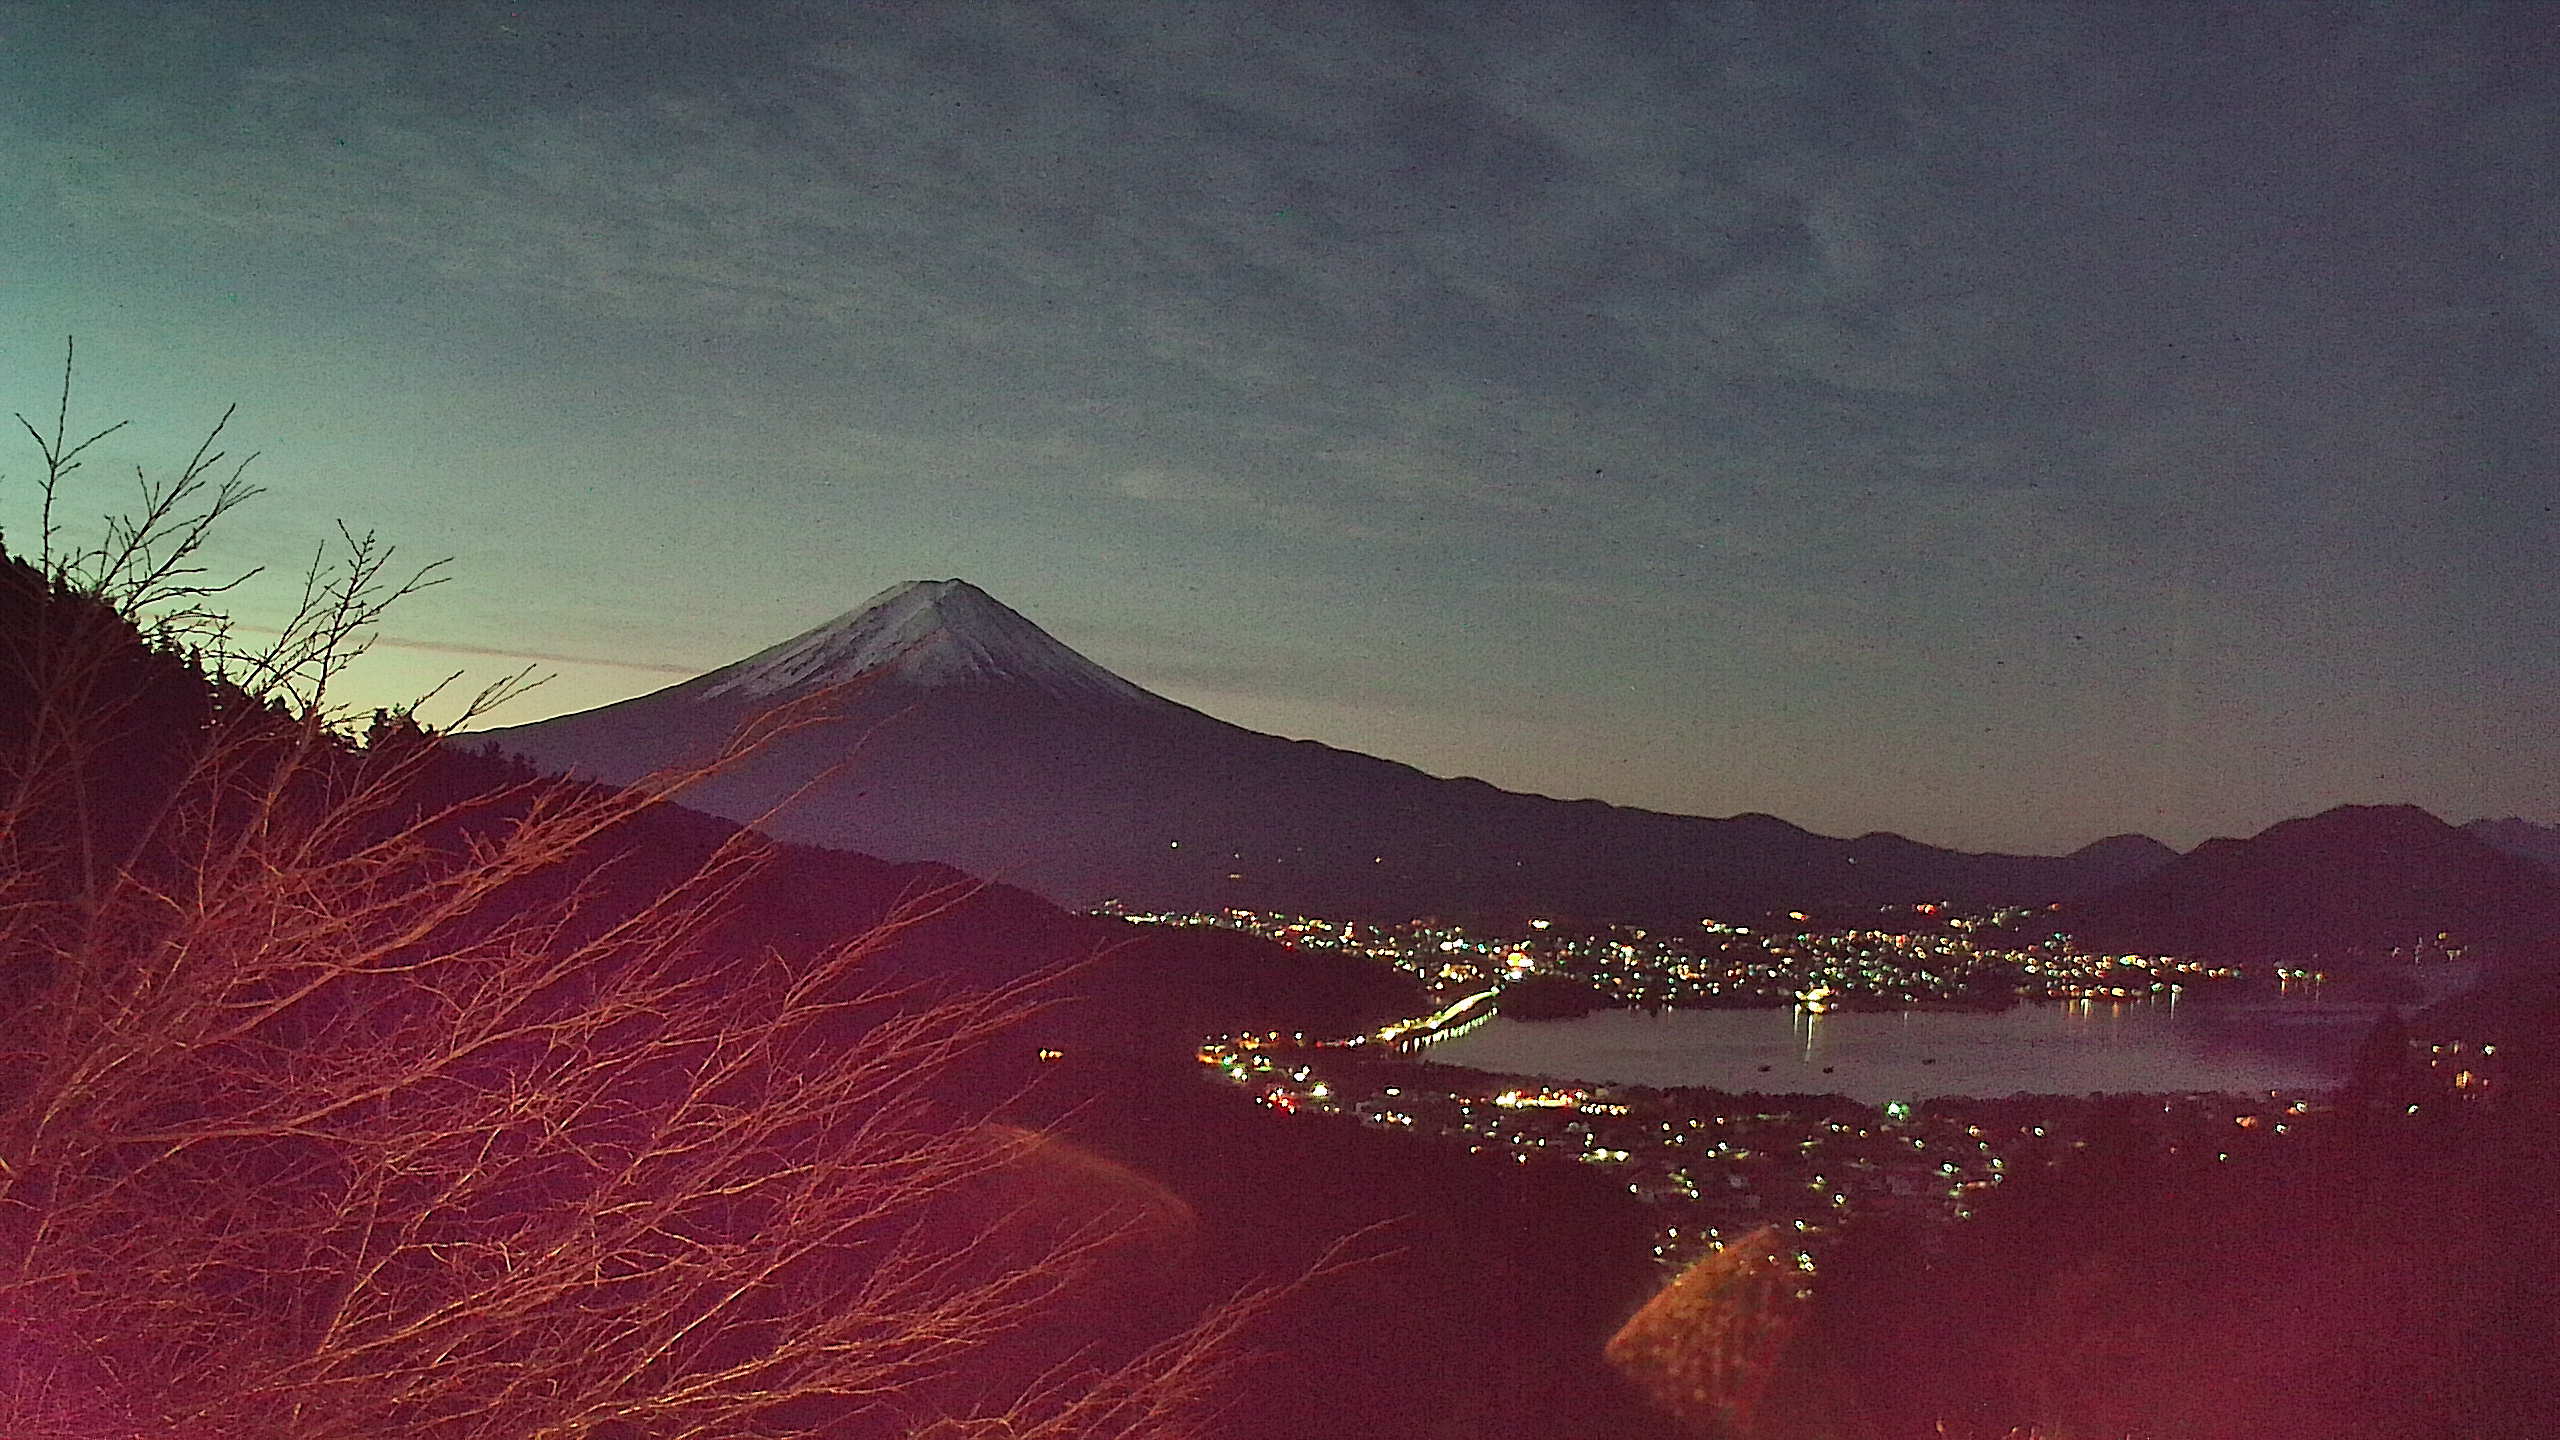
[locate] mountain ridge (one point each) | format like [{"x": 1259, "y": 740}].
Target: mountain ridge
[
  {"x": 958, "y": 731},
  {"x": 2519, "y": 836},
  {"x": 2350, "y": 882}
]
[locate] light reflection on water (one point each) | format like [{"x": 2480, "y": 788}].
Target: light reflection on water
[{"x": 2293, "y": 1042}]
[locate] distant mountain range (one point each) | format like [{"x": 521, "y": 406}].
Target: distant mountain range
[
  {"x": 2538, "y": 843},
  {"x": 2348, "y": 882},
  {"x": 956, "y": 730}
]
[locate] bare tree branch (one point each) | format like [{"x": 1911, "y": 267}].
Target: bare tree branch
[{"x": 340, "y": 1097}]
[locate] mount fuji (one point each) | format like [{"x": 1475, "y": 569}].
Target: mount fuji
[
  {"x": 948, "y": 727},
  {"x": 926, "y": 633}
]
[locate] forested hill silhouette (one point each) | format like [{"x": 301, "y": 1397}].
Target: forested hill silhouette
[
  {"x": 962, "y": 732},
  {"x": 1225, "y": 1195},
  {"x": 1151, "y": 989},
  {"x": 2354, "y": 881}
]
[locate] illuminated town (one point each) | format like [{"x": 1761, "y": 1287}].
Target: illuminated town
[
  {"x": 1720, "y": 1163},
  {"x": 1915, "y": 956}
]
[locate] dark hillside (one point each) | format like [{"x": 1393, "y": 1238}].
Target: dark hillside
[
  {"x": 1485, "y": 1288},
  {"x": 2348, "y": 883},
  {"x": 2516, "y": 836},
  {"x": 1480, "y": 1294},
  {"x": 2384, "y": 1280}
]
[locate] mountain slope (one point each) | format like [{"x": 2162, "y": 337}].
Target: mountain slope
[
  {"x": 2517, "y": 836},
  {"x": 956, "y": 730},
  {"x": 2123, "y": 859},
  {"x": 925, "y": 633},
  {"x": 1178, "y": 1195},
  {"x": 2357, "y": 879}
]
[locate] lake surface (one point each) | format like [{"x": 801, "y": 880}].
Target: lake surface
[{"x": 2233, "y": 1045}]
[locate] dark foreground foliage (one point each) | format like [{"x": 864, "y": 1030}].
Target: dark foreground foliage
[{"x": 2386, "y": 1277}]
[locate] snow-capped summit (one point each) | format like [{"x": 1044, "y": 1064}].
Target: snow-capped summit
[
  {"x": 924, "y": 632},
  {"x": 975, "y": 739}
]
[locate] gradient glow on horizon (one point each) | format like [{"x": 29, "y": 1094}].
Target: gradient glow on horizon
[{"x": 2002, "y": 424}]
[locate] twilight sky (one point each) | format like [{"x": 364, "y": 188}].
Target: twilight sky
[{"x": 2002, "y": 424}]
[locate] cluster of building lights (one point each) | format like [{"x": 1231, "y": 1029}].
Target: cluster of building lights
[
  {"x": 1719, "y": 1164},
  {"x": 1723, "y": 1163},
  {"x": 1927, "y": 955}
]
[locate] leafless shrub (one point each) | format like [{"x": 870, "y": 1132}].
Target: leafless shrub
[{"x": 339, "y": 1099}]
